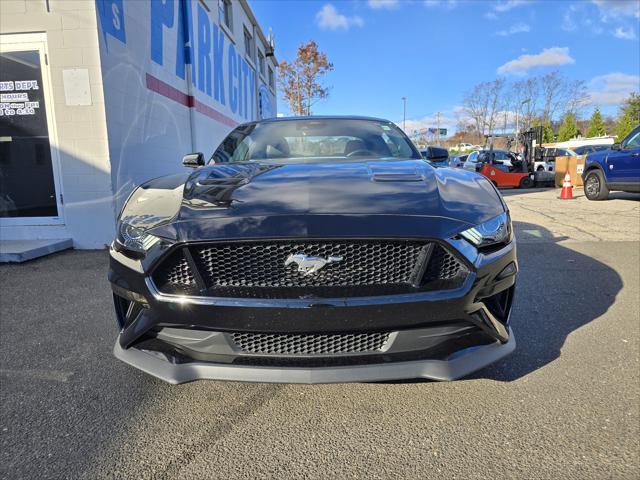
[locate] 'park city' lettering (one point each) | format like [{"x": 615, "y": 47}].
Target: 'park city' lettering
[{"x": 203, "y": 49}]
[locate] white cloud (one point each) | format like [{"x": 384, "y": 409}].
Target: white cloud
[
  {"x": 613, "y": 88},
  {"x": 548, "y": 57},
  {"x": 377, "y": 4},
  {"x": 509, "y": 4},
  {"x": 569, "y": 23},
  {"x": 447, "y": 120},
  {"x": 453, "y": 118},
  {"x": 515, "y": 28},
  {"x": 447, "y": 4},
  {"x": 328, "y": 18},
  {"x": 580, "y": 17},
  {"x": 625, "y": 33},
  {"x": 617, "y": 8},
  {"x": 502, "y": 6},
  {"x": 595, "y": 27}
]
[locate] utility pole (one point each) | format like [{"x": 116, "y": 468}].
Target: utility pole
[
  {"x": 438, "y": 128},
  {"x": 404, "y": 114}
]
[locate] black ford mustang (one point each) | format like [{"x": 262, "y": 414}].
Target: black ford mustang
[{"x": 319, "y": 249}]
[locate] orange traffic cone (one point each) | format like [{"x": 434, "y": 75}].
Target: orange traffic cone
[{"x": 567, "y": 189}]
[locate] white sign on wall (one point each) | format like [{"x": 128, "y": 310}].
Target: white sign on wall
[{"x": 77, "y": 89}]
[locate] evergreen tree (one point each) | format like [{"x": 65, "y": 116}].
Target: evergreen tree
[
  {"x": 596, "y": 125},
  {"x": 535, "y": 123},
  {"x": 629, "y": 116},
  {"x": 632, "y": 106},
  {"x": 548, "y": 136},
  {"x": 625, "y": 125},
  {"x": 569, "y": 128}
]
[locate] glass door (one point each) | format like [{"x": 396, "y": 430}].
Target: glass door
[{"x": 29, "y": 187}]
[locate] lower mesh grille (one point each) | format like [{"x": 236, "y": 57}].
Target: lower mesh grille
[{"x": 309, "y": 344}]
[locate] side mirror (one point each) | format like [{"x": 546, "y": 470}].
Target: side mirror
[
  {"x": 616, "y": 146},
  {"x": 193, "y": 160}
]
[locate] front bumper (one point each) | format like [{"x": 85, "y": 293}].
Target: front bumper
[
  {"x": 440, "y": 335},
  {"x": 460, "y": 365}
]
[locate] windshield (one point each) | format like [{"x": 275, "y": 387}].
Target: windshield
[
  {"x": 313, "y": 139},
  {"x": 566, "y": 153}
]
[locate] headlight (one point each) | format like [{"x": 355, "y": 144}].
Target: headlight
[
  {"x": 492, "y": 232},
  {"x": 135, "y": 239}
]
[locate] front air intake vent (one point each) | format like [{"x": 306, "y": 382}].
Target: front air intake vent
[
  {"x": 174, "y": 275},
  {"x": 285, "y": 344}
]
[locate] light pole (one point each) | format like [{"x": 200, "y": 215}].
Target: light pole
[{"x": 404, "y": 114}]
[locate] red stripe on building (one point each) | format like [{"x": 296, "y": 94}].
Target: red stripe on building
[{"x": 158, "y": 86}]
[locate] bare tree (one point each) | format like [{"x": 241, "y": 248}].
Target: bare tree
[
  {"x": 465, "y": 126},
  {"x": 300, "y": 79},
  {"x": 577, "y": 97},
  {"x": 474, "y": 107},
  {"x": 551, "y": 88},
  {"x": 506, "y": 108},
  {"x": 561, "y": 96},
  {"x": 525, "y": 94},
  {"x": 549, "y": 97},
  {"x": 481, "y": 105},
  {"x": 495, "y": 89}
]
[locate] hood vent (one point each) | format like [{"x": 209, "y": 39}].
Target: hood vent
[{"x": 397, "y": 177}]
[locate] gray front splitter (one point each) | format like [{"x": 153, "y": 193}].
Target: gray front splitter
[{"x": 463, "y": 363}]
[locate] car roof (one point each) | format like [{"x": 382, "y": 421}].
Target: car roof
[{"x": 321, "y": 117}]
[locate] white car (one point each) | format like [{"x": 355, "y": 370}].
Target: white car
[
  {"x": 478, "y": 157},
  {"x": 548, "y": 163},
  {"x": 544, "y": 166},
  {"x": 461, "y": 147},
  {"x": 472, "y": 162}
]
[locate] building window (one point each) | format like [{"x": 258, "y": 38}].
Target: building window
[
  {"x": 272, "y": 82},
  {"x": 261, "y": 62},
  {"x": 224, "y": 10},
  {"x": 248, "y": 44}
]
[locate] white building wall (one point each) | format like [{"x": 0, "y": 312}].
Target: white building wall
[
  {"x": 143, "y": 117},
  {"x": 155, "y": 115},
  {"x": 85, "y": 172}
]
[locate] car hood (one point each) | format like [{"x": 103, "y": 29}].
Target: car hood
[{"x": 299, "y": 198}]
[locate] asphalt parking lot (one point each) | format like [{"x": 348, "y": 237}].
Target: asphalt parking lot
[{"x": 566, "y": 404}]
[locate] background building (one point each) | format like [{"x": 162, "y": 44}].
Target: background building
[{"x": 110, "y": 93}]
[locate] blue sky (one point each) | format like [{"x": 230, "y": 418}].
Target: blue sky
[{"x": 432, "y": 51}]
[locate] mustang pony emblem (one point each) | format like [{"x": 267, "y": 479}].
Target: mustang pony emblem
[{"x": 309, "y": 265}]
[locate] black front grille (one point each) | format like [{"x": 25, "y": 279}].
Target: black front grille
[
  {"x": 442, "y": 266},
  {"x": 174, "y": 275},
  {"x": 314, "y": 344},
  {"x": 258, "y": 270},
  {"x": 263, "y": 265}
]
